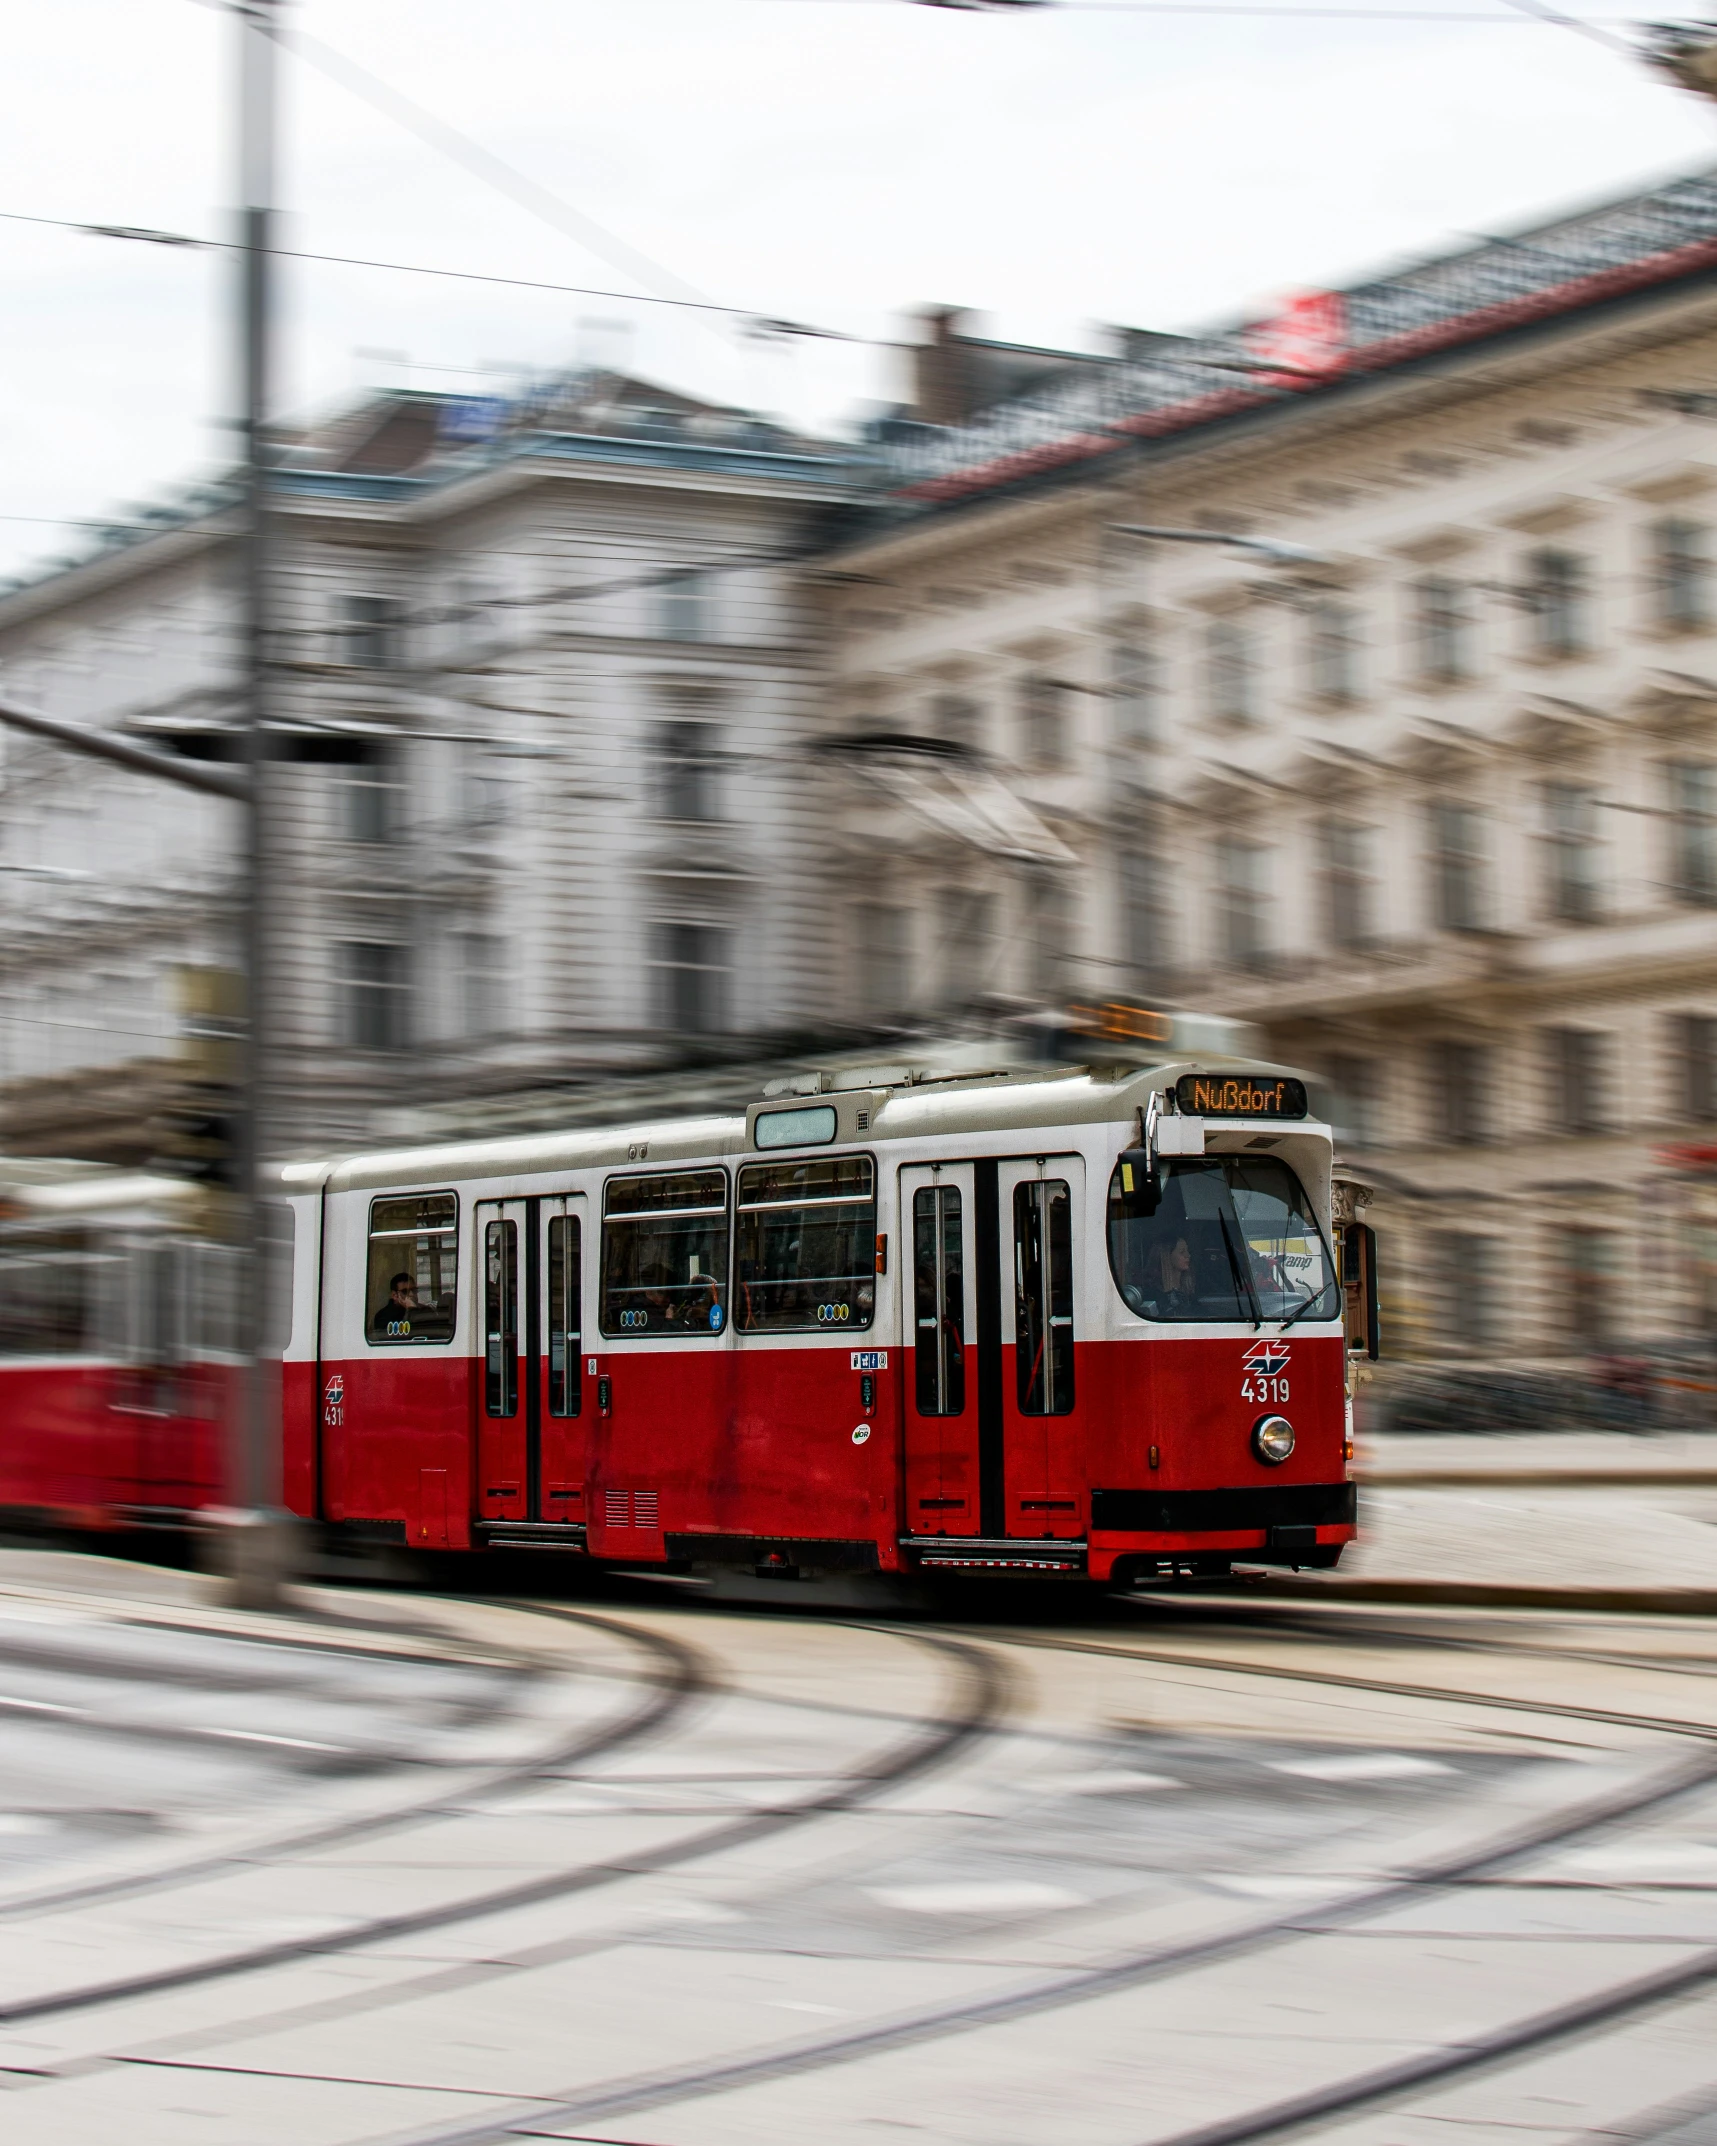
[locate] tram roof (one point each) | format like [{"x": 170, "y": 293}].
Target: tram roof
[{"x": 916, "y": 1106}]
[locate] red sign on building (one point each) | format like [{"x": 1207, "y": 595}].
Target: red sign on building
[{"x": 1306, "y": 341}]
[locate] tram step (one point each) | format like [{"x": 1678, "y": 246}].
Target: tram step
[
  {"x": 1001, "y": 1553},
  {"x": 530, "y": 1534}
]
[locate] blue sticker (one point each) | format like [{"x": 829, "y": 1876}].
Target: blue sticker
[{"x": 715, "y": 1318}]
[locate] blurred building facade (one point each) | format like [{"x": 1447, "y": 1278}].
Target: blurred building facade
[
  {"x": 541, "y": 676},
  {"x": 622, "y": 732},
  {"x": 1436, "y": 808}
]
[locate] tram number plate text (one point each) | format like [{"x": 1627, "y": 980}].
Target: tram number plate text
[
  {"x": 870, "y": 1359},
  {"x": 1264, "y": 1389}
]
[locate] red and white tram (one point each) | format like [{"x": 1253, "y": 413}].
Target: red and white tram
[
  {"x": 117, "y": 1354},
  {"x": 1077, "y": 1322}
]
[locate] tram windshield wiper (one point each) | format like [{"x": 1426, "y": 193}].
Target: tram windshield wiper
[{"x": 1312, "y": 1296}]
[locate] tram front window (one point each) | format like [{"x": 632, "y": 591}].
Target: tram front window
[{"x": 1228, "y": 1237}]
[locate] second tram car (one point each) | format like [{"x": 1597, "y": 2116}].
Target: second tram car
[{"x": 1077, "y": 1323}]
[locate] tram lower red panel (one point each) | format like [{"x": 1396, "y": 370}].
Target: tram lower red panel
[
  {"x": 396, "y": 1444},
  {"x": 758, "y": 1443},
  {"x": 1188, "y": 1400},
  {"x": 102, "y": 1444},
  {"x": 754, "y": 1442}
]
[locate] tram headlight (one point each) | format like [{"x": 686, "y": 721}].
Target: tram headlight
[{"x": 1272, "y": 1439}]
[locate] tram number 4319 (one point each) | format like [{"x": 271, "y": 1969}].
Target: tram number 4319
[{"x": 1264, "y": 1389}]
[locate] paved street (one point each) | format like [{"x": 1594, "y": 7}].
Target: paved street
[
  {"x": 1572, "y": 1511},
  {"x": 410, "y": 1868}
]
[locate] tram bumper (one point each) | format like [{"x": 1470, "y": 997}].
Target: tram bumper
[{"x": 1144, "y": 1532}]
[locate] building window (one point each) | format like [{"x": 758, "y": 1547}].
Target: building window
[
  {"x": 1050, "y": 927},
  {"x": 1356, "y": 1100},
  {"x": 1590, "y": 1271},
  {"x": 369, "y": 798},
  {"x": 692, "y": 965},
  {"x": 1557, "y": 588},
  {"x": 1333, "y": 631},
  {"x": 1143, "y": 926},
  {"x": 1461, "y": 1092},
  {"x": 1681, "y": 575},
  {"x": 1693, "y": 810},
  {"x": 1229, "y": 672},
  {"x": 1695, "y": 1036},
  {"x": 956, "y": 723},
  {"x": 1577, "y": 1070},
  {"x": 1467, "y": 1271},
  {"x": 966, "y": 921},
  {"x": 685, "y": 608},
  {"x": 1444, "y": 628},
  {"x": 1137, "y": 691},
  {"x": 374, "y": 987},
  {"x": 1458, "y": 867},
  {"x": 882, "y": 959},
  {"x": 482, "y": 983},
  {"x": 1572, "y": 858},
  {"x": 482, "y": 796},
  {"x": 688, "y": 766},
  {"x": 1349, "y": 888},
  {"x": 1043, "y": 721},
  {"x": 1240, "y": 867},
  {"x": 371, "y": 631}
]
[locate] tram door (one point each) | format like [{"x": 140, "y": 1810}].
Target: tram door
[
  {"x": 562, "y": 1435},
  {"x": 939, "y": 1323},
  {"x": 1040, "y": 1203},
  {"x": 530, "y": 1384},
  {"x": 991, "y": 1430}
]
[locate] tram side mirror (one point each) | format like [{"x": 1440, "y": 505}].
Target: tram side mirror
[{"x": 1359, "y": 1289}]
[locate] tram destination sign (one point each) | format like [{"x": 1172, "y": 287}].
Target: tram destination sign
[{"x": 1239, "y": 1095}]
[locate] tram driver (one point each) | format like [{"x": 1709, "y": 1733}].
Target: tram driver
[{"x": 1168, "y": 1269}]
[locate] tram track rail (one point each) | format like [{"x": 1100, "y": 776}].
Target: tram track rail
[
  {"x": 976, "y": 1709},
  {"x": 677, "y": 2085},
  {"x": 679, "y": 1678},
  {"x": 981, "y": 1682}
]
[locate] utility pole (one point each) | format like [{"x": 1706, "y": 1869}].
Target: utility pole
[{"x": 256, "y": 1542}]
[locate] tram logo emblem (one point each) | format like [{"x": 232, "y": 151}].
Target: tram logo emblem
[
  {"x": 334, "y": 1402},
  {"x": 1266, "y": 1359}
]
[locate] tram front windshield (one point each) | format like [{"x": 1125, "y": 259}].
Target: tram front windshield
[{"x": 1228, "y": 1237}]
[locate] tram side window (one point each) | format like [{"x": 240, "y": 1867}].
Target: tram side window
[
  {"x": 664, "y": 1253},
  {"x": 565, "y": 1279},
  {"x": 501, "y": 1319},
  {"x": 412, "y": 1278},
  {"x": 47, "y": 1294},
  {"x": 1043, "y": 1296},
  {"x": 939, "y": 1302},
  {"x": 806, "y": 1244}
]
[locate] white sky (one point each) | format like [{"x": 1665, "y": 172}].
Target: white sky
[{"x": 835, "y": 161}]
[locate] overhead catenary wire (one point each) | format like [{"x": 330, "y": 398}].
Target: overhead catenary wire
[{"x": 762, "y": 323}]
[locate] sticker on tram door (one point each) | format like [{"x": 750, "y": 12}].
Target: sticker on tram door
[
  {"x": 1264, "y": 1371},
  {"x": 870, "y": 1359}
]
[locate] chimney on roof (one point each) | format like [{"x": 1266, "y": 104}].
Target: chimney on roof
[{"x": 944, "y": 387}]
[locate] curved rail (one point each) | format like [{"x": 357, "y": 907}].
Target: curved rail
[{"x": 979, "y": 1702}]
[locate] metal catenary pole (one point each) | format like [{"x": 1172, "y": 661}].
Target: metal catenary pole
[{"x": 258, "y": 1528}]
